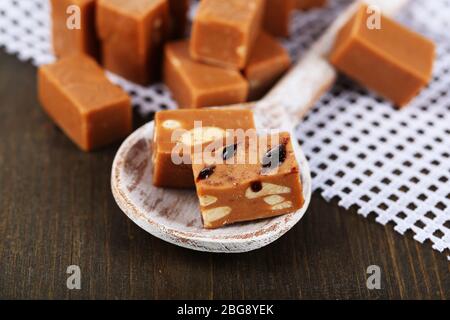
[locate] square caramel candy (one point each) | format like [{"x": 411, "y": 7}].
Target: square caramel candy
[
  {"x": 256, "y": 178},
  {"x": 196, "y": 85},
  {"x": 224, "y": 32},
  {"x": 132, "y": 34},
  {"x": 267, "y": 64},
  {"x": 72, "y": 33},
  {"x": 277, "y": 17},
  {"x": 76, "y": 94},
  {"x": 309, "y": 4},
  {"x": 178, "y": 10},
  {"x": 391, "y": 60},
  {"x": 178, "y": 132}
]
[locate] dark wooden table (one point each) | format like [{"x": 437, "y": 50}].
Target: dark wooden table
[{"x": 56, "y": 210}]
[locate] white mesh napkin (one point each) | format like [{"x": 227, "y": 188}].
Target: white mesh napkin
[{"x": 391, "y": 163}]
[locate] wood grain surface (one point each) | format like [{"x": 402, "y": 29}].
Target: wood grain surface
[{"x": 56, "y": 210}]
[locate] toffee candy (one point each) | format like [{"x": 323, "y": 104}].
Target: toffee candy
[
  {"x": 267, "y": 64},
  {"x": 132, "y": 34},
  {"x": 309, "y": 4},
  {"x": 237, "y": 190},
  {"x": 67, "y": 38},
  {"x": 277, "y": 17},
  {"x": 214, "y": 123},
  {"x": 195, "y": 85},
  {"x": 224, "y": 32},
  {"x": 391, "y": 60},
  {"x": 76, "y": 94}
]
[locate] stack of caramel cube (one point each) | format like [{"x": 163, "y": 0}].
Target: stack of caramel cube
[
  {"x": 229, "y": 58},
  {"x": 232, "y": 55}
]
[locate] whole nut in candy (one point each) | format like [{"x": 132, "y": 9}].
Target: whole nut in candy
[
  {"x": 207, "y": 200},
  {"x": 171, "y": 124},
  {"x": 267, "y": 189},
  {"x": 283, "y": 205},
  {"x": 215, "y": 214},
  {"x": 201, "y": 135},
  {"x": 274, "y": 199}
]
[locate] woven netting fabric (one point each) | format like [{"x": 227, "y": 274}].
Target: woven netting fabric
[{"x": 392, "y": 163}]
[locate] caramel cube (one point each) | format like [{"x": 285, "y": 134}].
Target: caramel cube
[
  {"x": 70, "y": 35},
  {"x": 76, "y": 94},
  {"x": 176, "y": 130},
  {"x": 309, "y": 4},
  {"x": 255, "y": 178},
  {"x": 132, "y": 34},
  {"x": 224, "y": 32},
  {"x": 178, "y": 17},
  {"x": 267, "y": 64},
  {"x": 391, "y": 60},
  {"x": 277, "y": 17},
  {"x": 195, "y": 85}
]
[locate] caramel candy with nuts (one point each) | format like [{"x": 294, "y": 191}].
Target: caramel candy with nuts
[
  {"x": 309, "y": 4},
  {"x": 387, "y": 58},
  {"x": 267, "y": 64},
  {"x": 277, "y": 17},
  {"x": 132, "y": 33},
  {"x": 257, "y": 178},
  {"x": 196, "y": 85},
  {"x": 76, "y": 94},
  {"x": 72, "y": 33},
  {"x": 176, "y": 131},
  {"x": 224, "y": 32}
]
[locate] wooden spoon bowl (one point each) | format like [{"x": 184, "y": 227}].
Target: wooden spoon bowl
[{"x": 174, "y": 215}]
